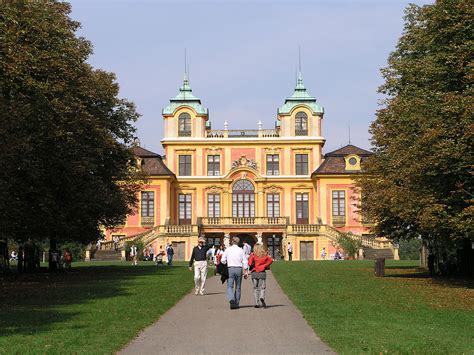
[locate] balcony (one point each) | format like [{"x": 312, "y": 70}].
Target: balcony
[
  {"x": 184, "y": 229},
  {"x": 148, "y": 221},
  {"x": 339, "y": 220},
  {"x": 243, "y": 221},
  {"x": 303, "y": 228},
  {"x": 184, "y": 134}
]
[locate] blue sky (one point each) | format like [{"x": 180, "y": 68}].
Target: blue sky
[{"x": 243, "y": 56}]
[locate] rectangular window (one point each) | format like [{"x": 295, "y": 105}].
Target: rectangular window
[
  {"x": 185, "y": 165},
  {"x": 213, "y": 205},
  {"x": 302, "y": 208},
  {"x": 184, "y": 201},
  {"x": 339, "y": 207},
  {"x": 273, "y": 166},
  {"x": 147, "y": 208},
  {"x": 148, "y": 204},
  {"x": 273, "y": 205},
  {"x": 213, "y": 165},
  {"x": 301, "y": 164}
]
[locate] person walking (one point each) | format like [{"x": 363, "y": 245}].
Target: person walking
[
  {"x": 151, "y": 253},
  {"x": 259, "y": 261},
  {"x": 134, "y": 254},
  {"x": 290, "y": 252},
  {"x": 198, "y": 259},
  {"x": 247, "y": 249},
  {"x": 116, "y": 240},
  {"x": 237, "y": 265},
  {"x": 323, "y": 254},
  {"x": 169, "y": 254}
]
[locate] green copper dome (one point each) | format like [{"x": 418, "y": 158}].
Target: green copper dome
[
  {"x": 300, "y": 97},
  {"x": 185, "y": 97}
]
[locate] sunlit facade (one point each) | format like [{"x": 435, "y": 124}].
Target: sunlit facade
[{"x": 264, "y": 185}]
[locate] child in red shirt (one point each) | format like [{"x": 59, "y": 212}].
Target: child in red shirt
[{"x": 259, "y": 261}]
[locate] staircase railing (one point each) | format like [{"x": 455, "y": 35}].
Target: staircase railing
[{"x": 212, "y": 221}]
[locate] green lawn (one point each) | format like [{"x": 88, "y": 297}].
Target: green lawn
[
  {"x": 96, "y": 308},
  {"x": 405, "y": 312}
]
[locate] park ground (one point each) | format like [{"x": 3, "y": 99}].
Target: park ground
[{"x": 99, "y": 307}]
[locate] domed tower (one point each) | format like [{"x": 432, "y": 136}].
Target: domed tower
[
  {"x": 185, "y": 117},
  {"x": 300, "y": 116}
]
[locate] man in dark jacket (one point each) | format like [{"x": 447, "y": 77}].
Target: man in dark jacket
[
  {"x": 169, "y": 254},
  {"x": 198, "y": 259}
]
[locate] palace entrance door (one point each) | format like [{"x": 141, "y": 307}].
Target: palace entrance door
[
  {"x": 274, "y": 246},
  {"x": 306, "y": 251},
  {"x": 178, "y": 250},
  {"x": 248, "y": 238}
]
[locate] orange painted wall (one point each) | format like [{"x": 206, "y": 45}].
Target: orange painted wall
[{"x": 236, "y": 153}]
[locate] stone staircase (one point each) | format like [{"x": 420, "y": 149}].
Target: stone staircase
[
  {"x": 373, "y": 254},
  {"x": 107, "y": 255}
]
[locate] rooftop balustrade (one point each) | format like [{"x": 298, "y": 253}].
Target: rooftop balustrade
[{"x": 242, "y": 133}]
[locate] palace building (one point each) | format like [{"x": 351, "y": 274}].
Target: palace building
[{"x": 264, "y": 185}]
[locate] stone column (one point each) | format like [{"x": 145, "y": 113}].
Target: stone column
[{"x": 361, "y": 254}]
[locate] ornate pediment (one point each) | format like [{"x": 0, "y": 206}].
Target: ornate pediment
[
  {"x": 244, "y": 162},
  {"x": 213, "y": 150},
  {"x": 186, "y": 187},
  {"x": 214, "y": 189},
  {"x": 302, "y": 186},
  {"x": 272, "y": 150},
  {"x": 272, "y": 188}
]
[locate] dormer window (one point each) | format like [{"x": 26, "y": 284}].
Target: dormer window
[
  {"x": 301, "y": 124},
  {"x": 352, "y": 162},
  {"x": 184, "y": 125}
]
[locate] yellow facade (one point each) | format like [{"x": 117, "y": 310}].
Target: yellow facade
[{"x": 265, "y": 185}]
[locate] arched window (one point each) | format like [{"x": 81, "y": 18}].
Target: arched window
[
  {"x": 184, "y": 125},
  {"x": 301, "y": 124},
  {"x": 243, "y": 199}
]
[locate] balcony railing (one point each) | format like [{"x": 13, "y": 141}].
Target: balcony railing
[
  {"x": 184, "y": 134},
  {"x": 339, "y": 220},
  {"x": 216, "y": 133},
  {"x": 301, "y": 132},
  {"x": 179, "y": 229},
  {"x": 242, "y": 133},
  {"x": 269, "y": 133},
  {"x": 148, "y": 221},
  {"x": 246, "y": 221},
  {"x": 304, "y": 228}
]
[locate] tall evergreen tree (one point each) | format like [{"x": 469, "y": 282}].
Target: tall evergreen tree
[
  {"x": 419, "y": 182},
  {"x": 63, "y": 130}
]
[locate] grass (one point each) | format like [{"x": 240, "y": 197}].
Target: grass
[
  {"x": 406, "y": 312},
  {"x": 96, "y": 308}
]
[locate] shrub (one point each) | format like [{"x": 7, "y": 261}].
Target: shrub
[{"x": 350, "y": 243}]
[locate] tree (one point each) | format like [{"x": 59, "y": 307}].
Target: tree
[
  {"x": 419, "y": 181},
  {"x": 349, "y": 243},
  {"x": 64, "y": 132}
]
